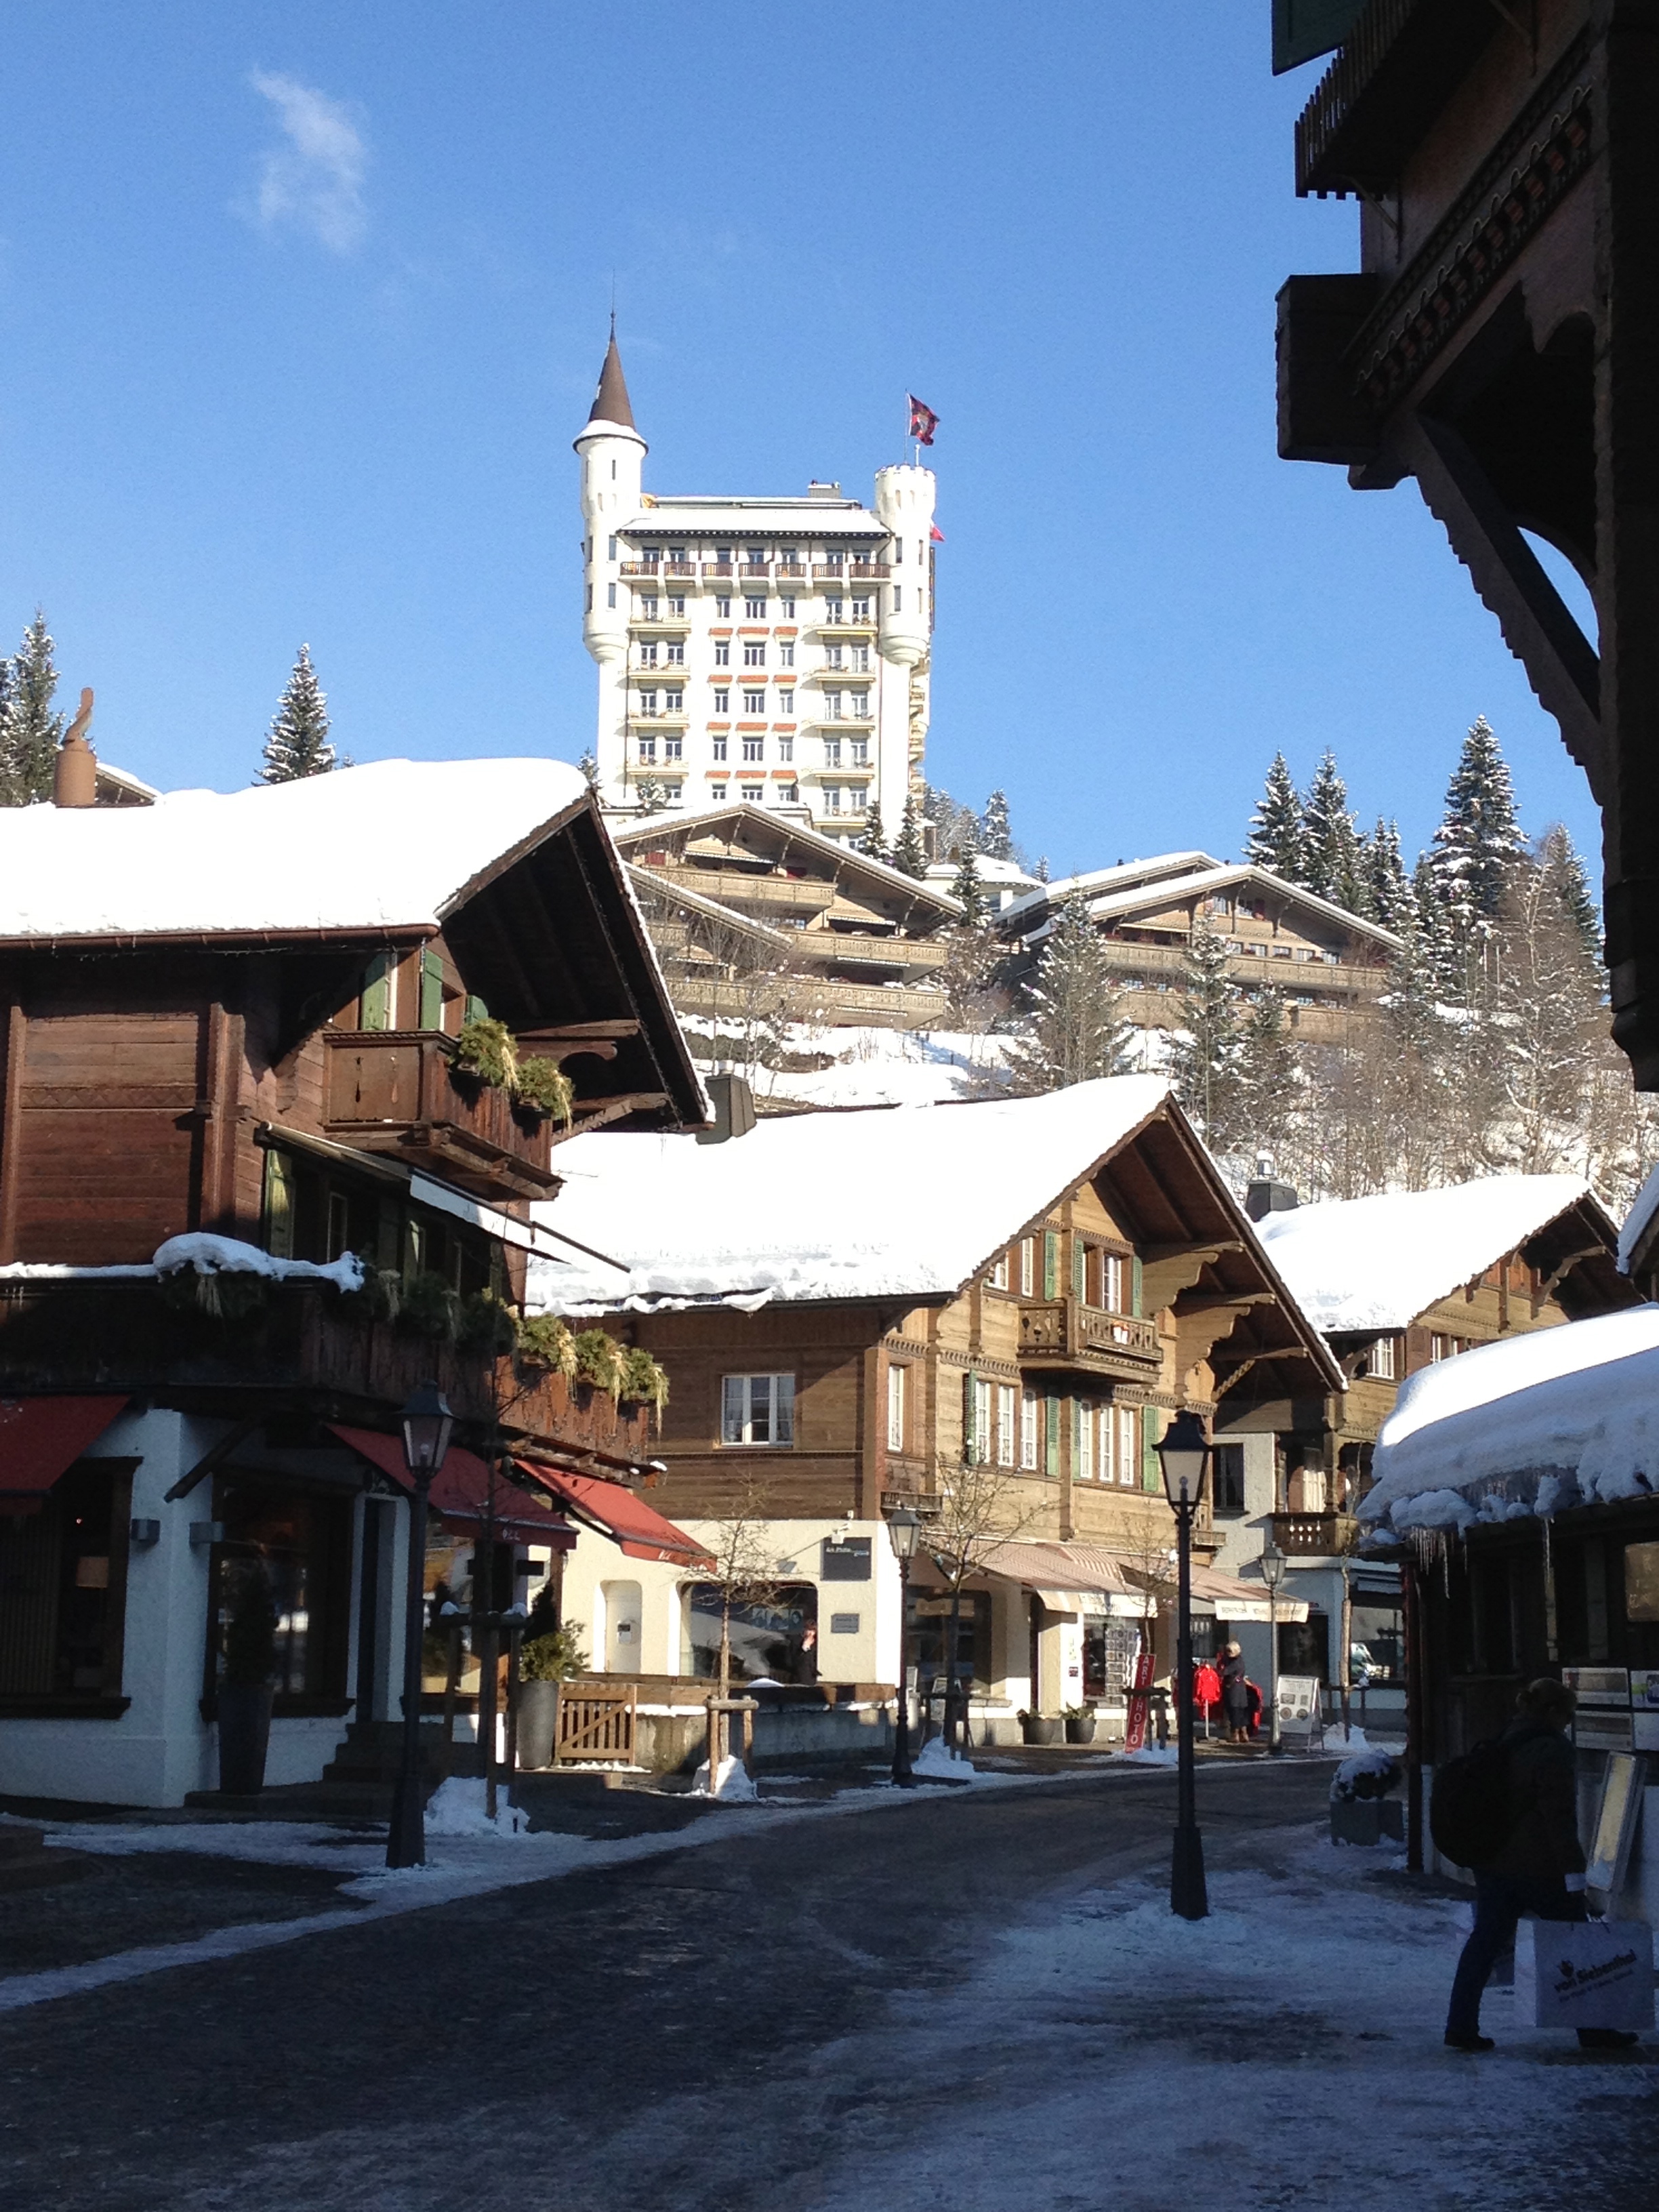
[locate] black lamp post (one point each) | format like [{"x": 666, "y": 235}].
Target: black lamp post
[
  {"x": 1273, "y": 1574},
  {"x": 1184, "y": 1455},
  {"x": 427, "y": 1425},
  {"x": 903, "y": 1526}
]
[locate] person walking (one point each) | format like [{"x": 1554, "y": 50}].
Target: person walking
[
  {"x": 1235, "y": 1696},
  {"x": 1538, "y": 1869}
]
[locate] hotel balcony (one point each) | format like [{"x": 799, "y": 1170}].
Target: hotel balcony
[
  {"x": 684, "y": 572},
  {"x": 1062, "y": 1333},
  {"x": 717, "y": 571},
  {"x": 754, "y": 572},
  {"x": 641, "y": 569},
  {"x": 862, "y": 573},
  {"x": 793, "y": 572}
]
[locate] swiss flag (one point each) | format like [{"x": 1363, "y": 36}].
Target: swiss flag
[{"x": 923, "y": 421}]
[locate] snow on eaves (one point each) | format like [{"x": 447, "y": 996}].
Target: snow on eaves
[
  {"x": 1535, "y": 1423},
  {"x": 902, "y": 1203},
  {"x": 204, "y": 1254},
  {"x": 1376, "y": 1263},
  {"x": 1643, "y": 1209},
  {"x": 388, "y": 845}
]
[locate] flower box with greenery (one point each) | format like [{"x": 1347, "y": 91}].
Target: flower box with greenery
[
  {"x": 541, "y": 1087},
  {"x": 484, "y": 1050},
  {"x": 246, "y": 1692},
  {"x": 1079, "y": 1724},
  {"x": 599, "y": 1361}
]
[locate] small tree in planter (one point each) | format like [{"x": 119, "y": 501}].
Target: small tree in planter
[
  {"x": 552, "y": 1652},
  {"x": 1079, "y": 1724},
  {"x": 246, "y": 1690}
]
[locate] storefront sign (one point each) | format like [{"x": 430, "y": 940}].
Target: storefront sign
[
  {"x": 845, "y": 1559},
  {"x": 1134, "y": 1734}
]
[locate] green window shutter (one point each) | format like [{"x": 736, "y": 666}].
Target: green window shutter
[
  {"x": 1135, "y": 1287},
  {"x": 970, "y": 1441},
  {"x": 432, "y": 991},
  {"x": 475, "y": 1009},
  {"x": 279, "y": 1205},
  {"x": 1079, "y": 1271},
  {"x": 374, "y": 1011},
  {"x": 1052, "y": 1462},
  {"x": 1151, "y": 1428},
  {"x": 1050, "y": 1264}
]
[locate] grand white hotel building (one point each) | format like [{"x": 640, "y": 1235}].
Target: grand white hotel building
[{"x": 767, "y": 650}]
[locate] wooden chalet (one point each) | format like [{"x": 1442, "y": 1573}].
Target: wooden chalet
[
  {"x": 747, "y": 900},
  {"x": 231, "y": 1058},
  {"x": 860, "y": 1307},
  {"x": 1324, "y": 961},
  {"x": 1499, "y": 342}
]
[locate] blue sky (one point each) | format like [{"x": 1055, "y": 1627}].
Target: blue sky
[{"x": 301, "y": 306}]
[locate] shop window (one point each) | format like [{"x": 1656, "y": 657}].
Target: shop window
[
  {"x": 1376, "y": 1642},
  {"x": 62, "y": 1577},
  {"x": 1110, "y": 1649},
  {"x": 1305, "y": 1647},
  {"x": 772, "y": 1638},
  {"x": 300, "y": 1542}
]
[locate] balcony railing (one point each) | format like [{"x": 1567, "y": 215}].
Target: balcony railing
[
  {"x": 790, "y": 572},
  {"x": 399, "y": 1090},
  {"x": 866, "y": 572},
  {"x": 682, "y": 568},
  {"x": 1314, "y": 1535},
  {"x": 757, "y": 571},
  {"x": 719, "y": 568},
  {"x": 641, "y": 567},
  {"x": 1062, "y": 1332}
]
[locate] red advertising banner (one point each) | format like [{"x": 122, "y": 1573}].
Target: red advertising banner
[{"x": 1139, "y": 1705}]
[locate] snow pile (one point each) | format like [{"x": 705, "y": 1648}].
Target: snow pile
[
  {"x": 1530, "y": 1426},
  {"x": 910, "y": 1203},
  {"x": 1643, "y": 1209},
  {"x": 734, "y": 1784},
  {"x": 226, "y": 1255},
  {"x": 888, "y": 1067},
  {"x": 456, "y": 1808},
  {"x": 934, "y": 1761},
  {"x": 1362, "y": 1263},
  {"x": 1366, "y": 1774},
  {"x": 391, "y": 844}
]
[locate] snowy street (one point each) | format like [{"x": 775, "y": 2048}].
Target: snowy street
[{"x": 978, "y": 2002}]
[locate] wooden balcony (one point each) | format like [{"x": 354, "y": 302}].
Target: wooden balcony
[
  {"x": 399, "y": 1090},
  {"x": 1061, "y": 1332},
  {"x": 1314, "y": 1535},
  {"x": 864, "y": 572}
]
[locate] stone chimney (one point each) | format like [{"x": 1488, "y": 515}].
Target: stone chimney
[{"x": 74, "y": 771}]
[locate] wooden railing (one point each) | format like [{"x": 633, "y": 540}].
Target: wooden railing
[
  {"x": 399, "y": 1090},
  {"x": 1062, "y": 1329},
  {"x": 1314, "y": 1535},
  {"x": 596, "y": 1721}
]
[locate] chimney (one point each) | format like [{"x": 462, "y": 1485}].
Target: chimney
[
  {"x": 733, "y": 1102},
  {"x": 74, "y": 771},
  {"x": 1262, "y": 1195}
]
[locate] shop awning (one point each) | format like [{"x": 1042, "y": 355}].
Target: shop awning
[
  {"x": 460, "y": 1492},
  {"x": 1220, "y": 1596},
  {"x": 41, "y": 1438},
  {"x": 1068, "y": 1577},
  {"x": 618, "y": 1512}
]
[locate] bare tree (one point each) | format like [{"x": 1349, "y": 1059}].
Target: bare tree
[{"x": 979, "y": 1506}]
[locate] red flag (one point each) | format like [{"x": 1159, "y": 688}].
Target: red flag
[
  {"x": 937, "y": 535},
  {"x": 923, "y": 421}
]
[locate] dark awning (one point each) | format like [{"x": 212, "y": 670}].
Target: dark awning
[
  {"x": 460, "y": 1491},
  {"x": 618, "y": 1513},
  {"x": 41, "y": 1438}
]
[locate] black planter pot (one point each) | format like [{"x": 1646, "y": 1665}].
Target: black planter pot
[
  {"x": 538, "y": 1713},
  {"x": 244, "y": 1736},
  {"x": 1034, "y": 1728},
  {"x": 1079, "y": 1727}
]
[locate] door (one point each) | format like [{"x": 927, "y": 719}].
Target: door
[{"x": 621, "y": 1628}]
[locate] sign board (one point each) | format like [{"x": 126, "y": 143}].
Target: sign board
[
  {"x": 1644, "y": 1708},
  {"x": 1300, "y": 1708},
  {"x": 1603, "y": 1720},
  {"x": 1134, "y": 1733},
  {"x": 843, "y": 1624},
  {"x": 1616, "y": 1816},
  {"x": 845, "y": 1559},
  {"x": 1584, "y": 1974}
]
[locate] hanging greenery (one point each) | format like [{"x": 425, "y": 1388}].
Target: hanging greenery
[
  {"x": 486, "y": 1323},
  {"x": 221, "y": 1294},
  {"x": 543, "y": 1087},
  {"x": 643, "y": 1380},
  {"x": 484, "y": 1050},
  {"x": 429, "y": 1308},
  {"x": 545, "y": 1341},
  {"x": 382, "y": 1296},
  {"x": 599, "y": 1361}
]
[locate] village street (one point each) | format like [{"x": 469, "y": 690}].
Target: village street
[{"x": 978, "y": 2000}]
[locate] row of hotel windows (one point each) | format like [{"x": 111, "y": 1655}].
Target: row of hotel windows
[
  {"x": 649, "y": 608},
  {"x": 834, "y": 798},
  {"x": 754, "y": 748},
  {"x": 837, "y": 706},
  {"x": 848, "y": 659}
]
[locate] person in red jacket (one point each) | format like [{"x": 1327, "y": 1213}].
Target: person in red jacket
[{"x": 1206, "y": 1690}]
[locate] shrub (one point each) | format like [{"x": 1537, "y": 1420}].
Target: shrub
[
  {"x": 484, "y": 1050},
  {"x": 545, "y": 1341},
  {"x": 541, "y": 1086},
  {"x": 486, "y": 1323},
  {"x": 429, "y": 1308},
  {"x": 599, "y": 1361},
  {"x": 553, "y": 1656},
  {"x": 642, "y": 1379}
]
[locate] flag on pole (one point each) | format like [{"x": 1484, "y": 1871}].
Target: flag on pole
[
  {"x": 923, "y": 421},
  {"x": 937, "y": 535}
]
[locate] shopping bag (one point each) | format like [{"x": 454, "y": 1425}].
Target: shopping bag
[{"x": 1584, "y": 1973}]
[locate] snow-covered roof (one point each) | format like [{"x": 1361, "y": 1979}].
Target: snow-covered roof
[
  {"x": 908, "y": 1203},
  {"x": 1376, "y": 1263},
  {"x": 628, "y": 835},
  {"x": 1138, "y": 886},
  {"x": 1554, "y": 1418},
  {"x": 390, "y": 845},
  {"x": 1095, "y": 881},
  {"x": 1643, "y": 1209},
  {"x": 989, "y": 868},
  {"x": 800, "y": 519}
]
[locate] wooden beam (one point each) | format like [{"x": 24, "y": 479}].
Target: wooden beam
[{"x": 214, "y": 1458}]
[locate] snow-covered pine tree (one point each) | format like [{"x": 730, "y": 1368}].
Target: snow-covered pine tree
[
  {"x": 29, "y": 731},
  {"x": 1265, "y": 1098},
  {"x": 995, "y": 833},
  {"x": 588, "y": 768},
  {"x": 1557, "y": 856},
  {"x": 872, "y": 841},
  {"x": 1389, "y": 896},
  {"x": 1441, "y": 955},
  {"x": 650, "y": 795},
  {"x": 1480, "y": 840},
  {"x": 965, "y": 884},
  {"x": 1330, "y": 842},
  {"x": 1203, "y": 1055},
  {"x": 909, "y": 853},
  {"x": 297, "y": 743},
  {"x": 1072, "y": 1031},
  {"x": 1277, "y": 838}
]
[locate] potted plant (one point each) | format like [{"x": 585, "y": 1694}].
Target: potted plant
[
  {"x": 551, "y": 1653},
  {"x": 1079, "y": 1724},
  {"x": 246, "y": 1690},
  {"x": 1036, "y": 1728}
]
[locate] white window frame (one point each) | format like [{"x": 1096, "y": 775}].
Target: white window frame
[
  {"x": 754, "y": 702},
  {"x": 1030, "y": 1439},
  {"x": 999, "y": 1271},
  {"x": 1128, "y": 1446},
  {"x": 754, "y": 652},
  {"x": 1028, "y": 1267},
  {"x": 1111, "y": 1283},
  {"x": 982, "y": 1437},
  {"x": 1385, "y": 1359},
  {"x": 1108, "y": 1457},
  {"x": 722, "y": 653},
  {"x": 1007, "y": 1423},
  {"x": 896, "y": 1392},
  {"x": 769, "y": 1398},
  {"x": 722, "y": 702}
]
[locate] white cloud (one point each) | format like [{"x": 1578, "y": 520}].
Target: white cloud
[{"x": 314, "y": 178}]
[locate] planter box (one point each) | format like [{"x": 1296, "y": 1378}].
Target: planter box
[
  {"x": 1368, "y": 1820},
  {"x": 1035, "y": 1729}
]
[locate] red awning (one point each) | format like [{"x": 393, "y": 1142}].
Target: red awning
[
  {"x": 41, "y": 1438},
  {"x": 620, "y": 1514},
  {"x": 460, "y": 1491}
]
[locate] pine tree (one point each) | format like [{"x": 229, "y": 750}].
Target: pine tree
[
  {"x": 1072, "y": 1031},
  {"x": 1331, "y": 844},
  {"x": 966, "y": 887},
  {"x": 1203, "y": 1058},
  {"x": 1549, "y": 1000},
  {"x": 1265, "y": 1095},
  {"x": 1389, "y": 896},
  {"x": 1441, "y": 955},
  {"x": 1277, "y": 838},
  {"x": 29, "y": 731},
  {"x": 872, "y": 841},
  {"x": 588, "y": 768},
  {"x": 909, "y": 853},
  {"x": 650, "y": 795},
  {"x": 297, "y": 743},
  {"x": 995, "y": 835},
  {"x": 1558, "y": 857},
  {"x": 1479, "y": 841}
]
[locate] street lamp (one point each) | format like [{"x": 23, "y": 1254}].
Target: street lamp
[
  {"x": 1273, "y": 1574},
  {"x": 427, "y": 1425},
  {"x": 903, "y": 1526},
  {"x": 1183, "y": 1453}
]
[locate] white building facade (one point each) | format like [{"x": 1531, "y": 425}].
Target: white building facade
[{"x": 770, "y": 650}]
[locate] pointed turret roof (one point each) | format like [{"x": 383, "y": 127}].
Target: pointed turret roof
[{"x": 611, "y": 402}]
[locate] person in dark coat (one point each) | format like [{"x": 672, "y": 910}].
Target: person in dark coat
[
  {"x": 1539, "y": 1868},
  {"x": 1236, "y": 1696}
]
